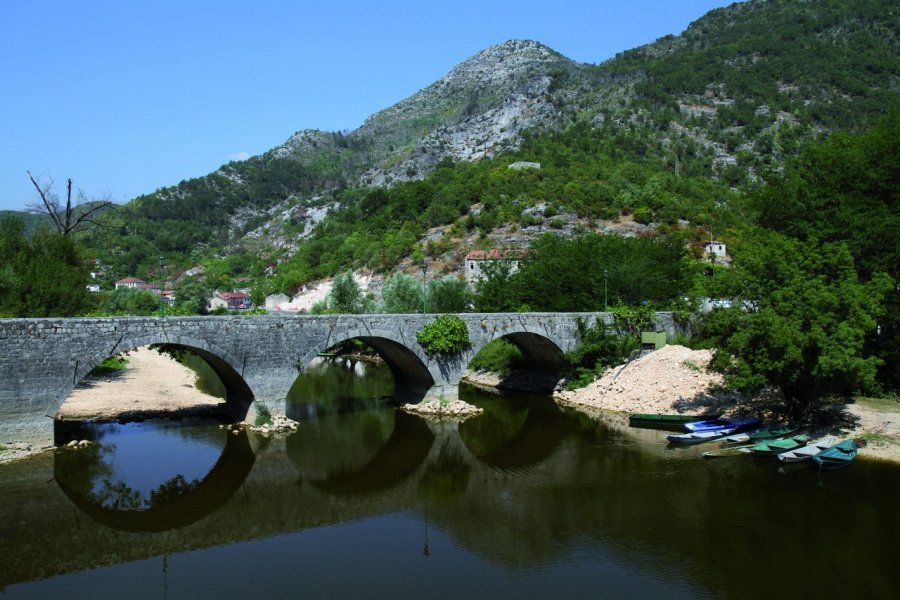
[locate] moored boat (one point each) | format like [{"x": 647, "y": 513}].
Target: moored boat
[
  {"x": 777, "y": 446},
  {"x": 807, "y": 452},
  {"x": 837, "y": 456},
  {"x": 662, "y": 421},
  {"x": 758, "y": 435},
  {"x": 698, "y": 437},
  {"x": 734, "y": 424}
]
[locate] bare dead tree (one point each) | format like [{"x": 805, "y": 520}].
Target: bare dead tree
[{"x": 72, "y": 218}]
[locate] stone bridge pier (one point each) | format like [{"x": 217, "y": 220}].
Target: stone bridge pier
[{"x": 258, "y": 358}]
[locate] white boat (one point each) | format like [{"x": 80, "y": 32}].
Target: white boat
[
  {"x": 807, "y": 452},
  {"x": 698, "y": 437}
]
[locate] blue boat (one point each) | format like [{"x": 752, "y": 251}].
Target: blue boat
[
  {"x": 735, "y": 424},
  {"x": 839, "y": 455}
]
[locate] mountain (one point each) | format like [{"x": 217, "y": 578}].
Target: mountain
[{"x": 663, "y": 133}]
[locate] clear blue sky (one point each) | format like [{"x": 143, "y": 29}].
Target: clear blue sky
[{"x": 129, "y": 96}]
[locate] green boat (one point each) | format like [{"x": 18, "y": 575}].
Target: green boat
[
  {"x": 755, "y": 437},
  {"x": 839, "y": 455},
  {"x": 664, "y": 421},
  {"x": 772, "y": 447}
]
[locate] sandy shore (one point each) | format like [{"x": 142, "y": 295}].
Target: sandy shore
[{"x": 153, "y": 383}]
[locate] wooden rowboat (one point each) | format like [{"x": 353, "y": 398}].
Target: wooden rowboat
[
  {"x": 733, "y": 423},
  {"x": 771, "y": 447},
  {"x": 663, "y": 421},
  {"x": 698, "y": 437},
  {"x": 839, "y": 455},
  {"x": 807, "y": 452}
]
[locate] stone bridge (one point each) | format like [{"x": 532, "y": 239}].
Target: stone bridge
[{"x": 258, "y": 358}]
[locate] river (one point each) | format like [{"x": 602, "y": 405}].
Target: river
[{"x": 527, "y": 500}]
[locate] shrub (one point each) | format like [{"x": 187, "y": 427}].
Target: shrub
[
  {"x": 263, "y": 415},
  {"x": 447, "y": 334},
  {"x": 499, "y": 356}
]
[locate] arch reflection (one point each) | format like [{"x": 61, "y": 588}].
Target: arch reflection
[
  {"x": 175, "y": 503},
  {"x": 514, "y": 433}
]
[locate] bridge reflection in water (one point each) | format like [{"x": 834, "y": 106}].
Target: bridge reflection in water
[{"x": 546, "y": 500}]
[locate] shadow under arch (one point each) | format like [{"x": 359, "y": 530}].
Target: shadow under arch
[
  {"x": 536, "y": 434},
  {"x": 395, "y": 461},
  {"x": 213, "y": 491},
  {"x": 412, "y": 379},
  {"x": 543, "y": 365},
  {"x": 238, "y": 395}
]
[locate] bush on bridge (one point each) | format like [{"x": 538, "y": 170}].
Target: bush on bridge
[{"x": 447, "y": 334}]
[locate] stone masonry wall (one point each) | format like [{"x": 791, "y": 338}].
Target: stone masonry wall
[{"x": 259, "y": 357}]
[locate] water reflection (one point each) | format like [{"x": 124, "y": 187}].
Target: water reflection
[
  {"x": 194, "y": 471},
  {"x": 528, "y": 499}
]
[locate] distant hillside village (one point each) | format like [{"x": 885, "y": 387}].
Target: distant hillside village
[
  {"x": 239, "y": 298},
  {"x": 476, "y": 268}
]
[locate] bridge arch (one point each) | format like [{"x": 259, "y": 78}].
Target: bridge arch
[
  {"x": 239, "y": 396},
  {"x": 544, "y": 359},
  {"x": 410, "y": 366}
]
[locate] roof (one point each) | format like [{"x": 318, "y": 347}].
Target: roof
[
  {"x": 234, "y": 295},
  {"x": 484, "y": 255},
  {"x": 495, "y": 254},
  {"x": 131, "y": 280}
]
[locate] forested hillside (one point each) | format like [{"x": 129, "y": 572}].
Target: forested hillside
[{"x": 661, "y": 134}]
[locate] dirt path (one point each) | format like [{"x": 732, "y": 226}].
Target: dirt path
[{"x": 153, "y": 382}]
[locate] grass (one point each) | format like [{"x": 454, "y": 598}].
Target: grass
[
  {"x": 884, "y": 404},
  {"x": 110, "y": 366},
  {"x": 2, "y": 448},
  {"x": 879, "y": 439}
]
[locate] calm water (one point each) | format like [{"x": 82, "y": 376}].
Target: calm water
[{"x": 366, "y": 501}]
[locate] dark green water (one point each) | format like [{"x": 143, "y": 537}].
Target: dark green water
[{"x": 527, "y": 500}]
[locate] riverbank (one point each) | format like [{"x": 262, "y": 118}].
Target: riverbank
[
  {"x": 670, "y": 380},
  {"x": 675, "y": 380}
]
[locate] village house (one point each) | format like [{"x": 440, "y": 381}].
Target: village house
[
  {"x": 130, "y": 282},
  {"x": 229, "y": 300},
  {"x": 477, "y": 259},
  {"x": 716, "y": 251}
]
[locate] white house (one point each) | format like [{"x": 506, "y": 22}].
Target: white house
[
  {"x": 130, "y": 282},
  {"x": 477, "y": 259},
  {"x": 716, "y": 250}
]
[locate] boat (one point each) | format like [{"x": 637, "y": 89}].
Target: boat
[
  {"x": 758, "y": 435},
  {"x": 807, "y": 452},
  {"x": 837, "y": 456},
  {"x": 698, "y": 437},
  {"x": 735, "y": 424},
  {"x": 659, "y": 420},
  {"x": 777, "y": 446}
]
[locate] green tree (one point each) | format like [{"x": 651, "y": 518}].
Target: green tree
[
  {"x": 346, "y": 297},
  {"x": 400, "y": 294},
  {"x": 800, "y": 323},
  {"x": 495, "y": 291},
  {"x": 448, "y": 294},
  {"x": 191, "y": 295},
  {"x": 44, "y": 276},
  {"x": 131, "y": 301}
]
